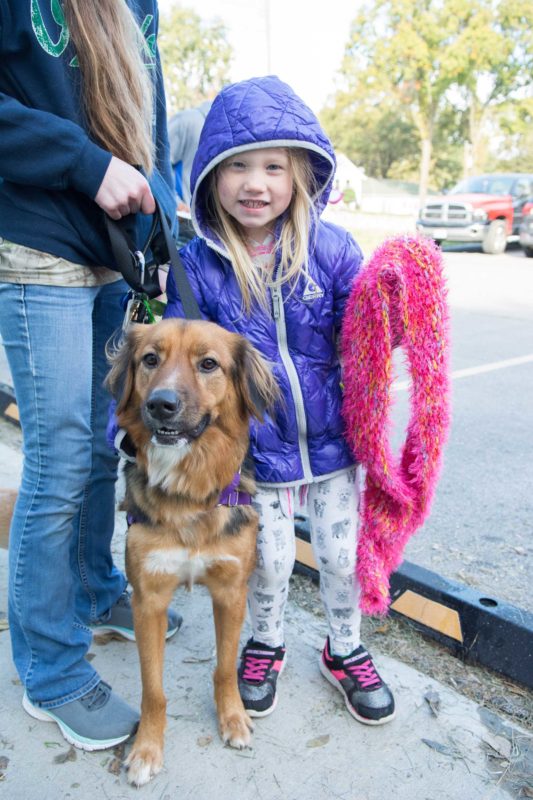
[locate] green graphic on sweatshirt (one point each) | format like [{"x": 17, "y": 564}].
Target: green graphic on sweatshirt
[
  {"x": 150, "y": 41},
  {"x": 56, "y": 48}
]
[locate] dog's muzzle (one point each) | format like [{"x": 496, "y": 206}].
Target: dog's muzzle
[{"x": 163, "y": 413}]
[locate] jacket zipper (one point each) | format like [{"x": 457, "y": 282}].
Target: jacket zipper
[{"x": 296, "y": 390}]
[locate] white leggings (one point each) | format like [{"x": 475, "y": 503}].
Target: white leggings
[{"x": 332, "y": 506}]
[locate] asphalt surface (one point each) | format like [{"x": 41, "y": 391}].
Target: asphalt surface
[{"x": 480, "y": 531}]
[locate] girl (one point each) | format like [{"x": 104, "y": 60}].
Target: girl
[
  {"x": 265, "y": 266},
  {"x": 81, "y": 101}
]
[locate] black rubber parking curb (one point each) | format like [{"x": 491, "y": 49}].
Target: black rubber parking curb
[{"x": 476, "y": 627}]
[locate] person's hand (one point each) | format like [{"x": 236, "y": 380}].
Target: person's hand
[{"x": 124, "y": 191}]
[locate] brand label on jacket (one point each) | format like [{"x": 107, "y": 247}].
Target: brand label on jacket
[{"x": 312, "y": 292}]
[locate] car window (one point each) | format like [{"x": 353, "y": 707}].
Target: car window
[
  {"x": 485, "y": 184},
  {"x": 522, "y": 187}
]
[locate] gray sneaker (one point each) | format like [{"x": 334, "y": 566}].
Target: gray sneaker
[
  {"x": 119, "y": 619},
  {"x": 98, "y": 720}
]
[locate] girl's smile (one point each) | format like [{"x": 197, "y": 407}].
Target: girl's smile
[{"x": 255, "y": 187}]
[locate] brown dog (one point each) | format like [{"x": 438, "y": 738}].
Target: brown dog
[{"x": 185, "y": 394}]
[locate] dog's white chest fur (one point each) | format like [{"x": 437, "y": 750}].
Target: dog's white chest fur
[{"x": 188, "y": 566}]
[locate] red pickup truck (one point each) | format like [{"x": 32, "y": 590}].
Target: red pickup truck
[{"x": 485, "y": 208}]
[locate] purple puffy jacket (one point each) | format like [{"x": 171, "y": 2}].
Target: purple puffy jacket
[{"x": 303, "y": 439}]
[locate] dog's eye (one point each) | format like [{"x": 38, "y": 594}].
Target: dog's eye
[
  {"x": 208, "y": 365},
  {"x": 150, "y": 360}
]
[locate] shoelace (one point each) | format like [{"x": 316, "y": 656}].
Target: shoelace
[
  {"x": 255, "y": 669},
  {"x": 124, "y": 600},
  {"x": 365, "y": 673},
  {"x": 97, "y": 697}
]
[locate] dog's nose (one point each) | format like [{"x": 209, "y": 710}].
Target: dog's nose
[{"x": 163, "y": 404}]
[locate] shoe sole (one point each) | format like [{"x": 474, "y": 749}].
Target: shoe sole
[
  {"x": 81, "y": 742},
  {"x": 252, "y": 713},
  {"x": 338, "y": 685},
  {"x": 126, "y": 633}
]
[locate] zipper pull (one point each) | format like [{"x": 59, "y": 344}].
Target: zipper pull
[{"x": 276, "y": 301}]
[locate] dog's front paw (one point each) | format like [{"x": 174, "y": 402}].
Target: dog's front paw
[
  {"x": 143, "y": 763},
  {"x": 235, "y": 730}
]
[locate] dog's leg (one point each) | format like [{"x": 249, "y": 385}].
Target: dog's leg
[
  {"x": 8, "y": 498},
  {"x": 150, "y": 619},
  {"x": 229, "y": 608}
]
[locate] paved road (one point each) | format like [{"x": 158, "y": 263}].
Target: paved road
[{"x": 480, "y": 530}]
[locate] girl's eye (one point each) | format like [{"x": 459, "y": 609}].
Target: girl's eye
[
  {"x": 237, "y": 164},
  {"x": 150, "y": 360},
  {"x": 274, "y": 168},
  {"x": 208, "y": 365}
]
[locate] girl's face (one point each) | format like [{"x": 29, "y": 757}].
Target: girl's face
[{"x": 255, "y": 187}]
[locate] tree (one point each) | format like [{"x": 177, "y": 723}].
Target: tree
[
  {"x": 378, "y": 136},
  {"x": 195, "y": 55},
  {"x": 515, "y": 148},
  {"x": 494, "y": 56},
  {"x": 429, "y": 55}
]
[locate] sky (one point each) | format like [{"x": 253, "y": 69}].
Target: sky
[{"x": 301, "y": 41}]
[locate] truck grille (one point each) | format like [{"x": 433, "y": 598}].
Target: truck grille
[{"x": 438, "y": 213}]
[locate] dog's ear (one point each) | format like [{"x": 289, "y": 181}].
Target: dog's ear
[
  {"x": 121, "y": 377},
  {"x": 253, "y": 380}
]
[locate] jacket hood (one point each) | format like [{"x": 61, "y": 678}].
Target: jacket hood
[{"x": 251, "y": 114}]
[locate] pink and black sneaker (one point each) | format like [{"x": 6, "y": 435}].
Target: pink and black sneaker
[
  {"x": 258, "y": 675},
  {"x": 367, "y": 697}
]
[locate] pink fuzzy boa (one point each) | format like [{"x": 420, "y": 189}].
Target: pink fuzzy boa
[{"x": 398, "y": 298}]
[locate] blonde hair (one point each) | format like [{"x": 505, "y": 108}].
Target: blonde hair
[
  {"x": 117, "y": 89},
  {"x": 293, "y": 239}
]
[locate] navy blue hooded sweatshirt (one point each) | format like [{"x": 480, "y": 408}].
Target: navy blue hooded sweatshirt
[{"x": 50, "y": 168}]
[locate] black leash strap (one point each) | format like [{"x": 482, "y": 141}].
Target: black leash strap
[
  {"x": 131, "y": 262},
  {"x": 188, "y": 300}
]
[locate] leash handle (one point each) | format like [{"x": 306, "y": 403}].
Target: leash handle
[{"x": 131, "y": 261}]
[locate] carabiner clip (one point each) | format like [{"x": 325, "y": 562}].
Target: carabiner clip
[{"x": 140, "y": 263}]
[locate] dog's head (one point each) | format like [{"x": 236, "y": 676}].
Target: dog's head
[{"x": 176, "y": 380}]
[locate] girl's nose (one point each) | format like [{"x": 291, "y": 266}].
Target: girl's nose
[{"x": 254, "y": 181}]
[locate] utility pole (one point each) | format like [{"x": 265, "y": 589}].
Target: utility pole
[{"x": 267, "y": 36}]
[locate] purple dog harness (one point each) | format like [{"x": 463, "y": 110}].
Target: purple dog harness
[{"x": 230, "y": 496}]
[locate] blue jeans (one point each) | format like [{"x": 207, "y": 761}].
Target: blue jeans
[{"x": 61, "y": 572}]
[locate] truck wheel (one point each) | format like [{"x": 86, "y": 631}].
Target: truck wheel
[
  {"x": 495, "y": 240},
  {"x": 528, "y": 251}
]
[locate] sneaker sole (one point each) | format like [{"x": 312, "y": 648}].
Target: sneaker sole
[
  {"x": 81, "y": 742},
  {"x": 126, "y": 633},
  {"x": 252, "y": 713},
  {"x": 338, "y": 685}
]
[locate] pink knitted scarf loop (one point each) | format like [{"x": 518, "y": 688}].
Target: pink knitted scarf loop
[{"x": 399, "y": 298}]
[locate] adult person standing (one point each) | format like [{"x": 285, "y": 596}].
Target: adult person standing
[
  {"x": 184, "y": 129},
  {"x": 81, "y": 102}
]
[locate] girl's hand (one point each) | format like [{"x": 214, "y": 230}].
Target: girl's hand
[{"x": 124, "y": 191}]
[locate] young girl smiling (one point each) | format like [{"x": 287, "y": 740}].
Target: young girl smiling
[{"x": 264, "y": 265}]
